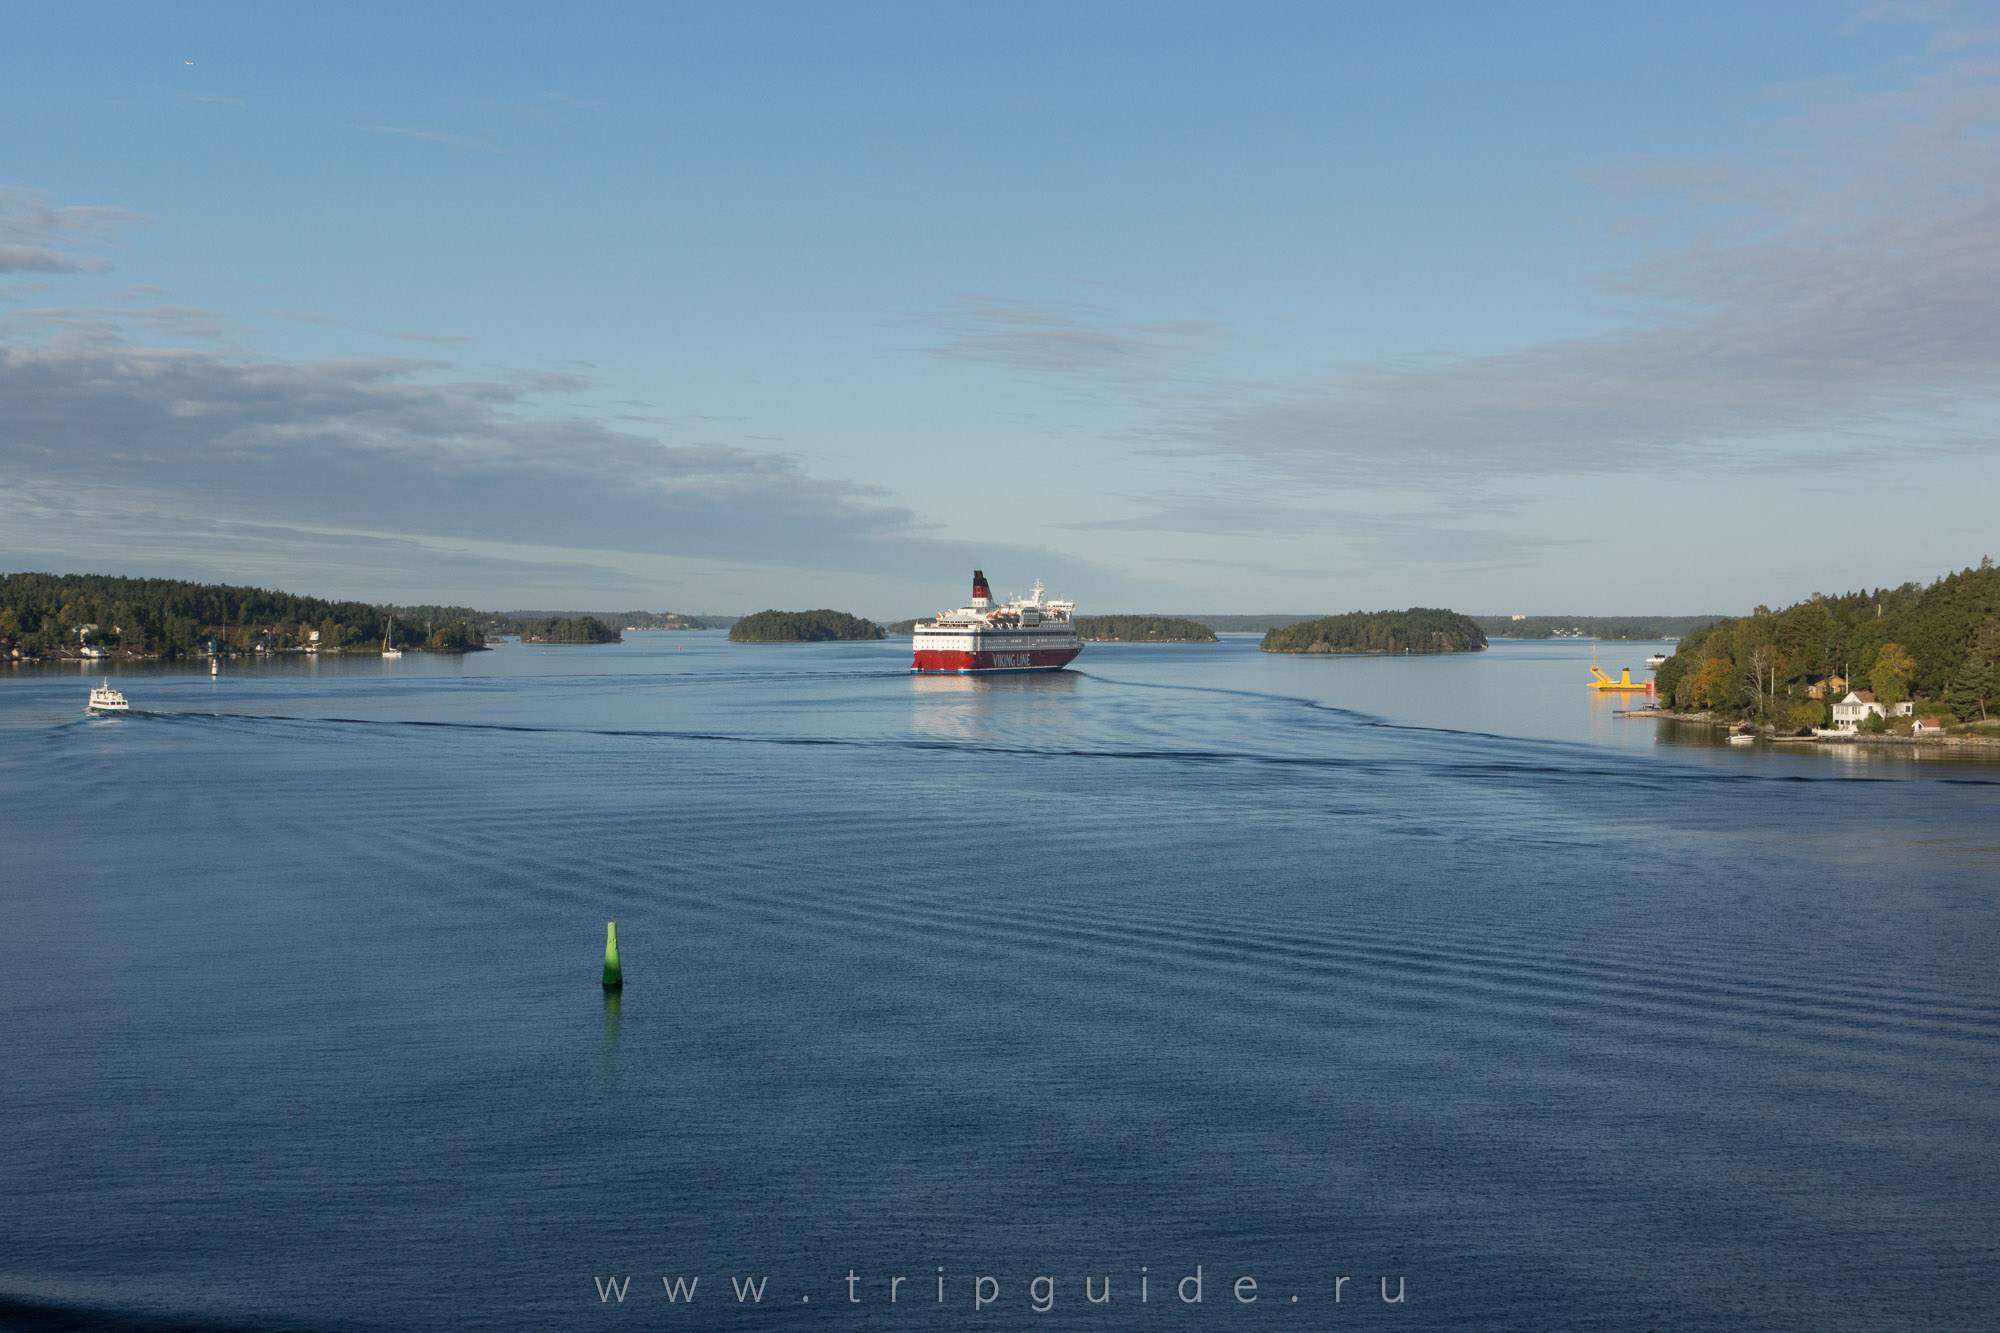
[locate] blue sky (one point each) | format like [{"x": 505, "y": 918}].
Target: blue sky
[{"x": 1227, "y": 307}]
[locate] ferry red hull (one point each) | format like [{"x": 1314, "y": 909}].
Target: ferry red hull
[{"x": 936, "y": 661}]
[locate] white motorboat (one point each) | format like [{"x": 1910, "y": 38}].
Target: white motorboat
[{"x": 104, "y": 699}]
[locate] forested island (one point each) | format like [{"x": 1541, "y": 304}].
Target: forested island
[
  {"x": 1592, "y": 627},
  {"x": 821, "y": 626},
  {"x": 1417, "y": 630},
  {"x": 516, "y": 622},
  {"x": 72, "y": 615},
  {"x": 69, "y": 615},
  {"x": 1937, "y": 647},
  {"x": 570, "y": 629},
  {"x": 1143, "y": 629}
]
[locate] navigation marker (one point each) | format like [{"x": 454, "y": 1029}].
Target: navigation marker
[{"x": 614, "y": 976}]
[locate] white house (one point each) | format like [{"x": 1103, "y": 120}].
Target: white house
[
  {"x": 1927, "y": 726},
  {"x": 1851, "y": 712}
]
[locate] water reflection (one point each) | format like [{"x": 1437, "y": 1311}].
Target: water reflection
[
  {"x": 609, "y": 1058},
  {"x": 1015, "y": 707}
]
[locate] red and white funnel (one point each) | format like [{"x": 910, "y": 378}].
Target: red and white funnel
[{"x": 981, "y": 594}]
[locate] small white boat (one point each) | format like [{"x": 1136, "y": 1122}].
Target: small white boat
[
  {"x": 389, "y": 648},
  {"x": 104, "y": 699},
  {"x": 1656, "y": 661},
  {"x": 1742, "y": 738}
]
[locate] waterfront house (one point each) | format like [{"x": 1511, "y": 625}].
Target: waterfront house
[
  {"x": 1819, "y": 687},
  {"x": 1927, "y": 726},
  {"x": 1851, "y": 712}
]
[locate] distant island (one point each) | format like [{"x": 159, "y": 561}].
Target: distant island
[
  {"x": 1418, "y": 630},
  {"x": 97, "y": 615},
  {"x": 1912, "y": 655},
  {"x": 100, "y": 615},
  {"x": 570, "y": 629},
  {"x": 512, "y": 622},
  {"x": 1143, "y": 629},
  {"x": 821, "y": 626},
  {"x": 1494, "y": 627},
  {"x": 1592, "y": 627}
]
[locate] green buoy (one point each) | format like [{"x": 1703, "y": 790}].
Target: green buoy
[{"x": 614, "y": 976}]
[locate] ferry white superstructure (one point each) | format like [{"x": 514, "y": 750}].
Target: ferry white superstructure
[{"x": 1026, "y": 634}]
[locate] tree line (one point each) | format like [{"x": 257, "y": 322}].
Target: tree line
[
  {"x": 819, "y": 626},
  {"x": 1938, "y": 645},
  {"x": 1143, "y": 629},
  {"x": 569, "y": 629},
  {"x": 1596, "y": 627},
  {"x": 1418, "y": 630},
  {"x": 49, "y": 614}
]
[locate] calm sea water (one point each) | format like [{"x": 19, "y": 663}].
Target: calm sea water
[{"x": 1190, "y": 960}]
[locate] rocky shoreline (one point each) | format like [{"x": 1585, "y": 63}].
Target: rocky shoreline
[{"x": 1853, "y": 738}]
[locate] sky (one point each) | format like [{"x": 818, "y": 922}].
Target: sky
[{"x": 1551, "y": 309}]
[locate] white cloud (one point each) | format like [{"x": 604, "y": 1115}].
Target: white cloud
[
  {"x": 429, "y": 136},
  {"x": 357, "y": 467},
  {"x": 1797, "y": 305},
  {"x": 1065, "y": 338},
  {"x": 35, "y": 238}
]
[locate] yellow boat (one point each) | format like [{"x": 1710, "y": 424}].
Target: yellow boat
[{"x": 1601, "y": 680}]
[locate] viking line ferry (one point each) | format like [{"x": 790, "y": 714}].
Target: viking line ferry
[{"x": 1027, "y": 634}]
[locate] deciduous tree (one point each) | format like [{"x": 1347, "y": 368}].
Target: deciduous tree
[{"x": 1890, "y": 676}]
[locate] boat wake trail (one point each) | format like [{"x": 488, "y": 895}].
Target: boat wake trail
[{"x": 1458, "y": 754}]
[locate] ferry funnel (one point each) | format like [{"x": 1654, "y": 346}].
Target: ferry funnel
[
  {"x": 614, "y": 976},
  {"x": 981, "y": 594}
]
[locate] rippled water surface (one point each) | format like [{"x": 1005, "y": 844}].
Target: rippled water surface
[{"x": 1297, "y": 970}]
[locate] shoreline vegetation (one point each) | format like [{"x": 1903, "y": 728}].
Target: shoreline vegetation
[
  {"x": 1909, "y": 656},
  {"x": 570, "y": 629},
  {"x": 1379, "y": 633},
  {"x": 1645, "y": 629},
  {"x": 65, "y": 617},
  {"x": 1639, "y": 628},
  {"x": 820, "y": 626},
  {"x": 1143, "y": 629},
  {"x": 1976, "y": 736}
]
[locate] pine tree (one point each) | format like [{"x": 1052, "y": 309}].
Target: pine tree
[{"x": 1970, "y": 688}]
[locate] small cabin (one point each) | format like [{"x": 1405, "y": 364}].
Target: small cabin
[{"x": 1927, "y": 726}]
